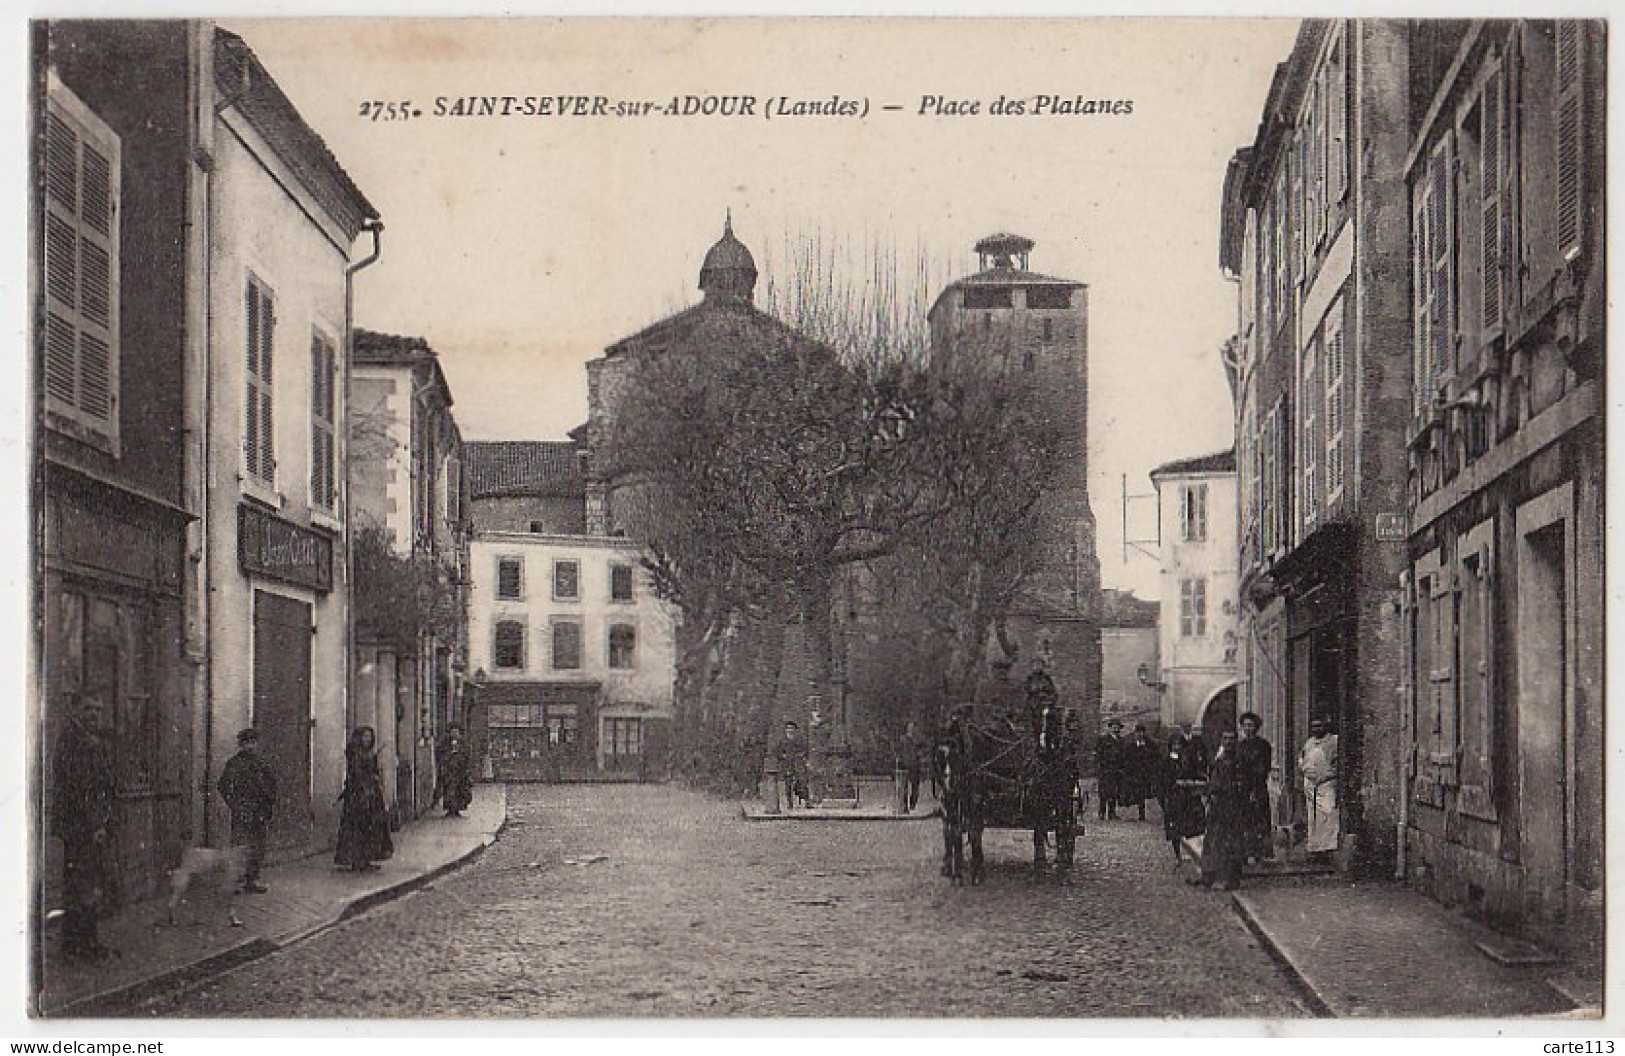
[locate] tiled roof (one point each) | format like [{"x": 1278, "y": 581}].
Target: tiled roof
[
  {"x": 374, "y": 347},
  {"x": 1010, "y": 277},
  {"x": 549, "y": 469},
  {"x": 1218, "y": 462}
]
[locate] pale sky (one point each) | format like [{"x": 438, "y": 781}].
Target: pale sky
[{"x": 521, "y": 246}]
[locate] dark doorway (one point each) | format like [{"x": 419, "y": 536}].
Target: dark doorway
[{"x": 282, "y": 631}]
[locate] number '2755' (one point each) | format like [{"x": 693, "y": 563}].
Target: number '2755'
[{"x": 379, "y": 110}]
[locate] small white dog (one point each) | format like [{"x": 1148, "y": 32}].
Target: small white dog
[{"x": 224, "y": 867}]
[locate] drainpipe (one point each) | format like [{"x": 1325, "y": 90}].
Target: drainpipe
[
  {"x": 375, "y": 227},
  {"x": 1406, "y": 706}
]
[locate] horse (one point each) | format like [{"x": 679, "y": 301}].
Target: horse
[{"x": 1049, "y": 790}]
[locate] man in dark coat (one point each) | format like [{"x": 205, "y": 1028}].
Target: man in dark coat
[
  {"x": 84, "y": 808},
  {"x": 911, "y": 759},
  {"x": 1224, "y": 845},
  {"x": 1141, "y": 771},
  {"x": 792, "y": 753},
  {"x": 454, "y": 777},
  {"x": 1254, "y": 757},
  {"x": 1109, "y": 761},
  {"x": 249, "y": 788}
]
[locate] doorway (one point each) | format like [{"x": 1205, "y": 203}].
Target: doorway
[
  {"x": 1545, "y": 698},
  {"x": 282, "y": 630}
]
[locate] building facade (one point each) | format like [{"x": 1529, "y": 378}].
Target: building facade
[
  {"x": 192, "y": 311},
  {"x": 1502, "y": 749},
  {"x": 1197, "y": 632},
  {"x": 572, "y": 653},
  {"x": 1128, "y": 661},
  {"x": 410, "y": 517},
  {"x": 1314, "y": 231}
]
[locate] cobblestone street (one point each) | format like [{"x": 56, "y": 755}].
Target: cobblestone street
[{"x": 635, "y": 901}]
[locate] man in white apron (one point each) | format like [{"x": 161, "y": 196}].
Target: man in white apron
[{"x": 1317, "y": 767}]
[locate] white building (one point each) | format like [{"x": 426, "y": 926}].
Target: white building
[
  {"x": 281, "y": 219},
  {"x": 1196, "y": 501},
  {"x": 572, "y": 653}
]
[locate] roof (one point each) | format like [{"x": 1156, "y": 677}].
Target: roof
[
  {"x": 549, "y": 469},
  {"x": 1004, "y": 241},
  {"x": 244, "y": 83},
  {"x": 375, "y": 349},
  {"x": 1217, "y": 462},
  {"x": 729, "y": 254},
  {"x": 1010, "y": 277},
  {"x": 1120, "y": 608}
]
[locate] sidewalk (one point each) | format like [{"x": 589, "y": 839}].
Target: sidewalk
[
  {"x": 1368, "y": 948},
  {"x": 306, "y": 896}
]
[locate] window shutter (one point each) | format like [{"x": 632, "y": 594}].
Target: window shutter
[
  {"x": 1337, "y": 83},
  {"x": 1491, "y": 162},
  {"x": 323, "y": 427},
  {"x": 1422, "y": 301},
  {"x": 1439, "y": 247},
  {"x": 1569, "y": 133},
  {"x": 258, "y": 440},
  {"x": 1334, "y": 399},
  {"x": 80, "y": 256}
]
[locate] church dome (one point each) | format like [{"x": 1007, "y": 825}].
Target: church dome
[{"x": 729, "y": 269}]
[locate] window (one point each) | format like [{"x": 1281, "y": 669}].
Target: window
[
  {"x": 566, "y": 580},
  {"x": 1494, "y": 201},
  {"x": 509, "y": 651},
  {"x": 623, "y": 645},
  {"x": 259, "y": 447},
  {"x": 1193, "y": 513},
  {"x": 1435, "y": 676},
  {"x": 510, "y": 578},
  {"x": 620, "y": 582},
  {"x": 624, "y": 736},
  {"x": 1192, "y": 608},
  {"x": 81, "y": 271},
  {"x": 1337, "y": 120},
  {"x": 987, "y": 297},
  {"x": 1475, "y": 635},
  {"x": 324, "y": 488},
  {"x": 1049, "y": 330},
  {"x": 1049, "y": 297},
  {"x": 566, "y": 645},
  {"x": 538, "y": 528}
]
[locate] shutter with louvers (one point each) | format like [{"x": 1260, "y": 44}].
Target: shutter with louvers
[
  {"x": 1338, "y": 85},
  {"x": 1334, "y": 399},
  {"x": 80, "y": 261},
  {"x": 1441, "y": 328},
  {"x": 1422, "y": 300},
  {"x": 258, "y": 434},
  {"x": 323, "y": 428},
  {"x": 1569, "y": 135},
  {"x": 1492, "y": 158}
]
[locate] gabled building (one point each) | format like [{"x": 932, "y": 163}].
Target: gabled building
[
  {"x": 1503, "y": 726},
  {"x": 1197, "y": 640},
  {"x": 194, "y": 256},
  {"x": 411, "y": 522}
]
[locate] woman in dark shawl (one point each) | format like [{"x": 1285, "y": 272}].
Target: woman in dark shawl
[
  {"x": 363, "y": 822},
  {"x": 1183, "y": 778},
  {"x": 454, "y": 784},
  {"x": 1224, "y": 845}
]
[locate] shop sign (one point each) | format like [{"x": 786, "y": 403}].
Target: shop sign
[{"x": 277, "y": 549}]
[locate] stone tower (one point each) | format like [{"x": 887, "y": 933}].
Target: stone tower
[{"x": 1011, "y": 318}]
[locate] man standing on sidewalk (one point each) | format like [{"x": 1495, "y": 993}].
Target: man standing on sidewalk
[
  {"x": 1317, "y": 768},
  {"x": 84, "y": 807},
  {"x": 1109, "y": 760},
  {"x": 249, "y": 789}
]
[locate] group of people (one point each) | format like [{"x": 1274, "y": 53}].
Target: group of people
[
  {"x": 85, "y": 798},
  {"x": 1224, "y": 798}
]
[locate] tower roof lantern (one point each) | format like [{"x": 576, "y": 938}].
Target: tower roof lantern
[
  {"x": 729, "y": 269},
  {"x": 1004, "y": 250}
]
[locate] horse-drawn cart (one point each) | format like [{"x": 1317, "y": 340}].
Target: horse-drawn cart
[{"x": 1001, "y": 769}]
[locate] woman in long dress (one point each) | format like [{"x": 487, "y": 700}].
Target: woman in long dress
[
  {"x": 1183, "y": 778},
  {"x": 1224, "y": 845},
  {"x": 363, "y": 820},
  {"x": 454, "y": 785}
]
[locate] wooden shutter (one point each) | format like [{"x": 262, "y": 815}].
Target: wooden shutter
[
  {"x": 323, "y": 407},
  {"x": 1334, "y": 368},
  {"x": 1337, "y": 98},
  {"x": 1440, "y": 246},
  {"x": 80, "y": 256},
  {"x": 1570, "y": 130},
  {"x": 1492, "y": 163},
  {"x": 1422, "y": 298},
  {"x": 259, "y": 448},
  {"x": 1309, "y": 438}
]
